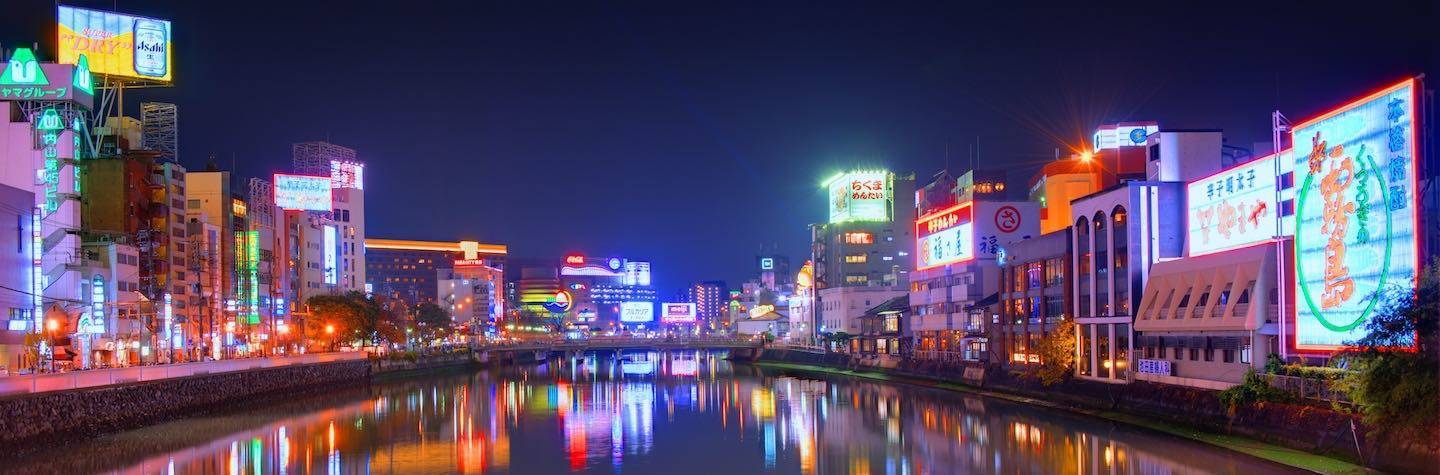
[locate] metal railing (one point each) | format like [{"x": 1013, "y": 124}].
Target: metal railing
[
  {"x": 1308, "y": 388},
  {"x": 45, "y": 382}
]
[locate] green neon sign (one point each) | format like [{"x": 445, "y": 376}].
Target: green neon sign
[
  {"x": 23, "y": 70},
  {"x": 83, "y": 80}
]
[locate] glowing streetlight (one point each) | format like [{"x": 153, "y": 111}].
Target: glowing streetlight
[
  {"x": 329, "y": 328},
  {"x": 1086, "y": 156},
  {"x": 52, "y": 325}
]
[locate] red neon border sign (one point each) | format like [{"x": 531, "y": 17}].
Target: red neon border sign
[
  {"x": 966, "y": 206},
  {"x": 1294, "y": 302}
]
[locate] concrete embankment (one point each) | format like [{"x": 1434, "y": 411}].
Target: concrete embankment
[
  {"x": 56, "y": 416},
  {"x": 1313, "y": 438}
]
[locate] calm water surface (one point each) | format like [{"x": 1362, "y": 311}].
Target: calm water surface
[{"x": 686, "y": 413}]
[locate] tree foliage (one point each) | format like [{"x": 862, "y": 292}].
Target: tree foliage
[
  {"x": 1057, "y": 353},
  {"x": 356, "y": 317},
  {"x": 1394, "y": 377},
  {"x": 432, "y": 321}
]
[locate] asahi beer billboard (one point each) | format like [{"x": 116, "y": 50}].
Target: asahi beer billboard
[
  {"x": 1356, "y": 214},
  {"x": 116, "y": 44}
]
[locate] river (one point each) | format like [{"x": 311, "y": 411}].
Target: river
[{"x": 675, "y": 413}]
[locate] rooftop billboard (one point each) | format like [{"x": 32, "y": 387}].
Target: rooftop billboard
[
  {"x": 677, "y": 312},
  {"x": 861, "y": 196},
  {"x": 1234, "y": 208},
  {"x": 637, "y": 312},
  {"x": 1356, "y": 214},
  {"x": 117, "y": 44},
  {"x": 300, "y": 192}
]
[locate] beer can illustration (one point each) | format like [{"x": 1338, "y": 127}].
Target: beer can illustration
[{"x": 150, "y": 40}]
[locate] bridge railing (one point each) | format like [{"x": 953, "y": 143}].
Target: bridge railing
[{"x": 618, "y": 341}]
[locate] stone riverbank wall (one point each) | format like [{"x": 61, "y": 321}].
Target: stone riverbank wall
[
  {"x": 1311, "y": 428},
  {"x": 57, "y": 416}
]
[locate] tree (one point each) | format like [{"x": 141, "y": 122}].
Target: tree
[
  {"x": 1057, "y": 353},
  {"x": 354, "y": 316},
  {"x": 433, "y": 321},
  {"x": 1394, "y": 369}
]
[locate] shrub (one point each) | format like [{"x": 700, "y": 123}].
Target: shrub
[{"x": 1254, "y": 389}]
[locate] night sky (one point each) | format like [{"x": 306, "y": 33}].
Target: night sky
[{"x": 692, "y": 133}]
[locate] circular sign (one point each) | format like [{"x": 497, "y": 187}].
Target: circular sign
[
  {"x": 560, "y": 303},
  {"x": 1007, "y": 219},
  {"x": 614, "y": 263},
  {"x": 1137, "y": 135}
]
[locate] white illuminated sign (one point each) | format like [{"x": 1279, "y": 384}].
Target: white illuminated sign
[
  {"x": 298, "y": 192},
  {"x": 1231, "y": 209},
  {"x": 677, "y": 312},
  {"x": 332, "y": 273},
  {"x": 637, "y": 312}
]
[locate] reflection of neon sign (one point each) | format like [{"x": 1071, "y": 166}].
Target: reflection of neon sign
[
  {"x": 944, "y": 237},
  {"x": 1355, "y": 215}
]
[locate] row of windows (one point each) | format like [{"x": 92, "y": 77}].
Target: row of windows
[
  {"x": 1195, "y": 354},
  {"x": 1109, "y": 271}
]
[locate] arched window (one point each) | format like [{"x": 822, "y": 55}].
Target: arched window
[
  {"x": 1082, "y": 267},
  {"x": 1121, "y": 237},
  {"x": 1102, "y": 265}
]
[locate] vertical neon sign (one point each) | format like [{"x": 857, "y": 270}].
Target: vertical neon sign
[
  {"x": 96, "y": 322},
  {"x": 50, "y": 126},
  {"x": 331, "y": 273},
  {"x": 37, "y": 273}
]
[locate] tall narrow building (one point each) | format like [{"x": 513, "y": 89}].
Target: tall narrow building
[{"x": 347, "y": 176}]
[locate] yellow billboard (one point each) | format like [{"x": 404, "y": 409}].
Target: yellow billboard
[{"x": 117, "y": 44}]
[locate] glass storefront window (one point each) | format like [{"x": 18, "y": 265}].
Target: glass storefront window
[
  {"x": 1102, "y": 350},
  {"x": 1085, "y": 339},
  {"x": 1122, "y": 350}
]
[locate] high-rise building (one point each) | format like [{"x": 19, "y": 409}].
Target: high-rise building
[
  {"x": 711, "y": 299},
  {"x": 411, "y": 271},
  {"x": 867, "y": 242},
  {"x": 347, "y": 177}
]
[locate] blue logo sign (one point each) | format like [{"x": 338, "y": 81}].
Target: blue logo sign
[{"x": 1137, "y": 135}]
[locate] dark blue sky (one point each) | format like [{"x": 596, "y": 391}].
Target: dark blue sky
[{"x": 692, "y": 133}]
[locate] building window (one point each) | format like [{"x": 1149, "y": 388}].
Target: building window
[
  {"x": 859, "y": 238},
  {"x": 856, "y": 279},
  {"x": 1228, "y": 356},
  {"x": 855, "y": 258}
]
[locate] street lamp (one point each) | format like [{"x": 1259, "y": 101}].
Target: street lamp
[{"x": 330, "y": 330}]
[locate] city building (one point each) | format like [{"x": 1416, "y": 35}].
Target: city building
[
  {"x": 866, "y": 242},
  {"x": 711, "y": 299},
  {"x": 42, "y": 139},
  {"x": 409, "y": 270},
  {"x": 1204, "y": 320},
  {"x": 882, "y": 330},
  {"x": 962, "y": 227},
  {"x": 347, "y": 175},
  {"x": 840, "y": 308},
  {"x": 1119, "y": 233},
  {"x": 1033, "y": 297}
]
